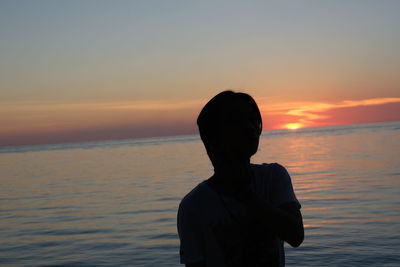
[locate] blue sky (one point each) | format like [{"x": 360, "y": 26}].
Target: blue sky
[{"x": 85, "y": 52}]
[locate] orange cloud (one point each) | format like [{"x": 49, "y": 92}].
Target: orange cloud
[
  {"x": 309, "y": 114},
  {"x": 30, "y": 123}
]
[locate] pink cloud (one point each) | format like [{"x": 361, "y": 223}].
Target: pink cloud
[{"x": 316, "y": 114}]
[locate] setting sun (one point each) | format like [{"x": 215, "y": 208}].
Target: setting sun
[{"x": 293, "y": 126}]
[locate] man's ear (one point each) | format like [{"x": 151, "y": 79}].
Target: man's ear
[{"x": 211, "y": 148}]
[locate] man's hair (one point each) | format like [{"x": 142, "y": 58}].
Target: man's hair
[{"x": 210, "y": 116}]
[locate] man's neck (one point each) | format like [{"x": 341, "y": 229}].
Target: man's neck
[{"x": 229, "y": 181}]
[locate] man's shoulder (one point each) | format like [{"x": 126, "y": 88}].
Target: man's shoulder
[
  {"x": 276, "y": 178},
  {"x": 269, "y": 168},
  {"x": 269, "y": 175},
  {"x": 195, "y": 197}
]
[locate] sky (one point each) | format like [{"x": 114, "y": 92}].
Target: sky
[{"x": 73, "y": 71}]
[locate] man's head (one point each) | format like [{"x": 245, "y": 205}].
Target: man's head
[{"x": 231, "y": 124}]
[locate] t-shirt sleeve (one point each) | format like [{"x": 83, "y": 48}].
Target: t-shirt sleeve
[
  {"x": 190, "y": 235},
  {"x": 281, "y": 188}
]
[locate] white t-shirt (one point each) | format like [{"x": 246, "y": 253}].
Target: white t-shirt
[{"x": 218, "y": 230}]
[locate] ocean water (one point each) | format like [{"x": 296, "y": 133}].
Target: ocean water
[{"x": 114, "y": 203}]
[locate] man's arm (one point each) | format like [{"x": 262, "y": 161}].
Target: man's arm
[
  {"x": 286, "y": 219},
  {"x": 190, "y": 235},
  {"x": 289, "y": 223}
]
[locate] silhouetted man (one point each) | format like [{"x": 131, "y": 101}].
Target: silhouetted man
[{"x": 242, "y": 214}]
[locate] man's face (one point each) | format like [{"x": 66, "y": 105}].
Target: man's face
[{"x": 239, "y": 131}]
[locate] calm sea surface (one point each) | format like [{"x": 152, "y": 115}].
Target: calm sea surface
[{"x": 114, "y": 203}]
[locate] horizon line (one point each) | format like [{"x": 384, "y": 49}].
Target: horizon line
[{"x": 179, "y": 135}]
